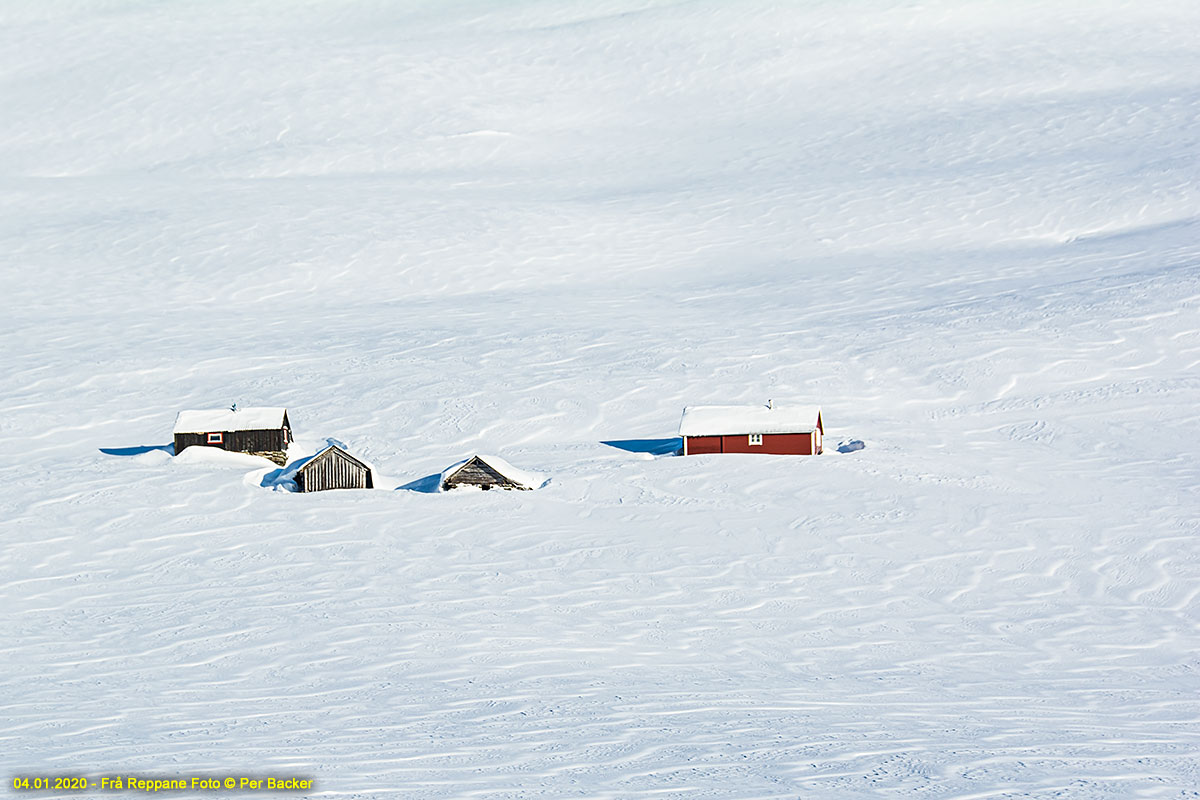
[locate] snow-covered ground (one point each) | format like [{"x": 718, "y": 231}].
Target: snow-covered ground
[{"x": 970, "y": 231}]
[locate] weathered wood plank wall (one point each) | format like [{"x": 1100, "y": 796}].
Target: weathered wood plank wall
[
  {"x": 333, "y": 470},
  {"x": 477, "y": 473}
]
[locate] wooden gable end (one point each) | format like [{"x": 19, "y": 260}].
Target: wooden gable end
[
  {"x": 476, "y": 472},
  {"x": 334, "y": 469}
]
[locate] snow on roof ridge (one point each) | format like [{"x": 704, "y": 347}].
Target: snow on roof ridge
[
  {"x": 516, "y": 474},
  {"x": 731, "y": 420}
]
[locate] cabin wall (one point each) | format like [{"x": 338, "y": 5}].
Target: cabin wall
[
  {"x": 784, "y": 444},
  {"x": 256, "y": 441},
  {"x": 333, "y": 472},
  {"x": 270, "y": 444},
  {"x": 700, "y": 445},
  {"x": 185, "y": 440}
]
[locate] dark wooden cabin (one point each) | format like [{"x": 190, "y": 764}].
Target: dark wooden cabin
[
  {"x": 262, "y": 432},
  {"x": 334, "y": 468},
  {"x": 488, "y": 472},
  {"x": 769, "y": 429}
]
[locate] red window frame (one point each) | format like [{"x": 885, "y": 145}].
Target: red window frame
[{"x": 216, "y": 438}]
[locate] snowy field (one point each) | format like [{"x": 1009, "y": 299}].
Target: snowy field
[{"x": 968, "y": 229}]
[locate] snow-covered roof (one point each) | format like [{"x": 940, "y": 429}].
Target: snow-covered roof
[
  {"x": 733, "y": 420},
  {"x": 521, "y": 477},
  {"x": 224, "y": 419}
]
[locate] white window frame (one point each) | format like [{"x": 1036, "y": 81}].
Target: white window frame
[
  {"x": 220, "y": 438},
  {"x": 756, "y": 439}
]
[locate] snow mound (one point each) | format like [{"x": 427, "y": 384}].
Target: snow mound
[{"x": 214, "y": 456}]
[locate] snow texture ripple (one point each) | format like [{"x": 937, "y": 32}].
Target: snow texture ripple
[{"x": 970, "y": 232}]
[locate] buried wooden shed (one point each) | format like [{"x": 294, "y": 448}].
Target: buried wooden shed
[
  {"x": 770, "y": 429},
  {"x": 334, "y": 468},
  {"x": 486, "y": 472},
  {"x": 262, "y": 432}
]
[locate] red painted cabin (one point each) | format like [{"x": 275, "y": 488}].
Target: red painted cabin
[{"x": 769, "y": 429}]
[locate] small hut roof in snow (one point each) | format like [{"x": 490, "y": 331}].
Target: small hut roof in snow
[
  {"x": 486, "y": 471},
  {"x": 733, "y": 420},
  {"x": 226, "y": 419}
]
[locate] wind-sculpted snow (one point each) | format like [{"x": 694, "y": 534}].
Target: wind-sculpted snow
[{"x": 969, "y": 232}]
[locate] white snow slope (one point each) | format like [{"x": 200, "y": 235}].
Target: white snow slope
[{"x": 968, "y": 229}]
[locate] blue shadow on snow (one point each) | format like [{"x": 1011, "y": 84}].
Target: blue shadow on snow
[
  {"x": 284, "y": 476},
  {"x": 655, "y": 447},
  {"x": 427, "y": 485},
  {"x": 169, "y": 449}
]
